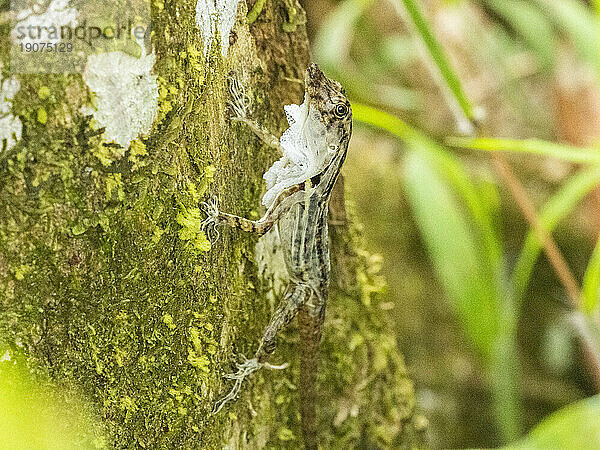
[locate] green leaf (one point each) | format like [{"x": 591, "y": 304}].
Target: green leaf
[
  {"x": 555, "y": 210},
  {"x": 456, "y": 255},
  {"x": 581, "y": 155},
  {"x": 591, "y": 282},
  {"x": 450, "y": 167},
  {"x": 573, "y": 427},
  {"x": 457, "y": 226}
]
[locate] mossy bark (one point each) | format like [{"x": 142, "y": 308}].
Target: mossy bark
[{"x": 106, "y": 279}]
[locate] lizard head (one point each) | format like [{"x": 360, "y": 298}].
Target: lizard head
[
  {"x": 329, "y": 106},
  {"x": 317, "y": 139}
]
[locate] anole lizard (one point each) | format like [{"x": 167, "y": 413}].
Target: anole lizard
[{"x": 299, "y": 186}]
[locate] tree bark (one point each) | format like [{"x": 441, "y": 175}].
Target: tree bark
[{"x": 107, "y": 280}]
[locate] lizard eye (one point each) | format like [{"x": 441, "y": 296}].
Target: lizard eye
[{"x": 340, "y": 110}]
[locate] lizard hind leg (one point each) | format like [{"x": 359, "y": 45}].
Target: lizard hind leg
[
  {"x": 247, "y": 367},
  {"x": 289, "y": 306},
  {"x": 243, "y": 370}
]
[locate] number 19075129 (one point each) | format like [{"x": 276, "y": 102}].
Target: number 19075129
[{"x": 49, "y": 47}]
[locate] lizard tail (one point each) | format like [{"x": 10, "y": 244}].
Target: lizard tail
[{"x": 310, "y": 336}]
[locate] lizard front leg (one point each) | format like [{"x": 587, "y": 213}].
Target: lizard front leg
[
  {"x": 295, "y": 296},
  {"x": 286, "y": 199},
  {"x": 240, "y": 103}
]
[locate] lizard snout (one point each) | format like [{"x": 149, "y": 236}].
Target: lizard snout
[{"x": 314, "y": 77}]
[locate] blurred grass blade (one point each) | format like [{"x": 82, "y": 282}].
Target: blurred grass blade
[
  {"x": 387, "y": 122},
  {"x": 450, "y": 167},
  {"x": 533, "y": 26},
  {"x": 438, "y": 56},
  {"x": 455, "y": 254},
  {"x": 573, "y": 427},
  {"x": 580, "y": 24},
  {"x": 586, "y": 327},
  {"x": 466, "y": 252},
  {"x": 581, "y": 155},
  {"x": 591, "y": 282},
  {"x": 555, "y": 210},
  {"x": 469, "y": 279}
]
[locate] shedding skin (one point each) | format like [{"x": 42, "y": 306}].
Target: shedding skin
[{"x": 313, "y": 151}]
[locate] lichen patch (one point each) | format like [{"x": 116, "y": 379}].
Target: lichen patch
[
  {"x": 5, "y": 357},
  {"x": 56, "y": 14},
  {"x": 216, "y": 15},
  {"x": 126, "y": 94},
  {"x": 10, "y": 126}
]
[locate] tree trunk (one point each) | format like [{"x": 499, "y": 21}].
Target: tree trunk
[{"x": 107, "y": 280}]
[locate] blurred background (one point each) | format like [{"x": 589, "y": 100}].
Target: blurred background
[{"x": 496, "y": 335}]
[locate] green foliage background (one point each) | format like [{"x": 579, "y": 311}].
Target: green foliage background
[{"x": 492, "y": 337}]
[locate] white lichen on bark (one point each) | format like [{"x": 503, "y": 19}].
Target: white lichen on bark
[
  {"x": 43, "y": 19},
  {"x": 5, "y": 357},
  {"x": 10, "y": 126},
  {"x": 219, "y": 16},
  {"x": 126, "y": 94}
]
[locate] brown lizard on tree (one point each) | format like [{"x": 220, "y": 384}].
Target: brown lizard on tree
[{"x": 299, "y": 188}]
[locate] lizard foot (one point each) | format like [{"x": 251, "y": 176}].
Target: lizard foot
[
  {"x": 211, "y": 223},
  {"x": 247, "y": 367},
  {"x": 240, "y": 101}
]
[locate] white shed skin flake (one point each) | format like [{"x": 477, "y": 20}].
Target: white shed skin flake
[
  {"x": 305, "y": 153},
  {"x": 126, "y": 94},
  {"x": 10, "y": 126},
  {"x": 219, "y": 15},
  {"x": 56, "y": 14}
]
